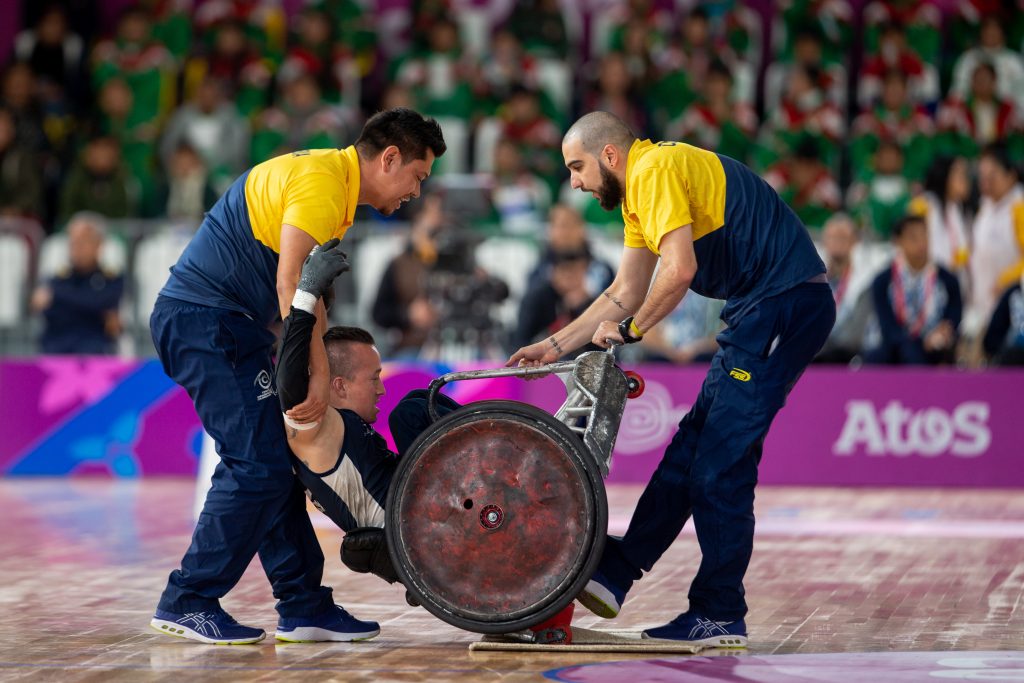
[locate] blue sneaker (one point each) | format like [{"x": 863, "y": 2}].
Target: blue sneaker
[
  {"x": 602, "y": 597},
  {"x": 336, "y": 625},
  {"x": 216, "y": 627},
  {"x": 691, "y": 628}
]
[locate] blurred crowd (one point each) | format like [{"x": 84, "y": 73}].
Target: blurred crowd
[{"x": 894, "y": 129}]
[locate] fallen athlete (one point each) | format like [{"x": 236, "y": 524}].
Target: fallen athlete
[{"x": 344, "y": 464}]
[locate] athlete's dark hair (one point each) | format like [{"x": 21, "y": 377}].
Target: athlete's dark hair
[
  {"x": 336, "y": 339},
  {"x": 343, "y": 333},
  {"x": 411, "y": 132}
]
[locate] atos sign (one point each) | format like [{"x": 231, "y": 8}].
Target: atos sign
[{"x": 896, "y": 430}]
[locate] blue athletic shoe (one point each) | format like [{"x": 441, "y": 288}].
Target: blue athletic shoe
[
  {"x": 216, "y": 627},
  {"x": 336, "y": 625},
  {"x": 691, "y": 628},
  {"x": 602, "y": 597}
]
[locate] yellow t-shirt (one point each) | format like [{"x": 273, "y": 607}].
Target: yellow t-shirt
[
  {"x": 670, "y": 185},
  {"x": 315, "y": 190}
]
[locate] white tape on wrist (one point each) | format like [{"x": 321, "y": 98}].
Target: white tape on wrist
[
  {"x": 298, "y": 425},
  {"x": 304, "y": 301}
]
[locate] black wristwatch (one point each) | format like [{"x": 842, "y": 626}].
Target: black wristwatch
[{"x": 626, "y": 333}]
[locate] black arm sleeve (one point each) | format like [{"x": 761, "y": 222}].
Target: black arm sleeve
[{"x": 293, "y": 360}]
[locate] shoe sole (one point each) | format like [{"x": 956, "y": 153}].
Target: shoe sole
[
  {"x": 599, "y": 600},
  {"x": 718, "y": 642},
  {"x": 313, "y": 634},
  {"x": 169, "y": 628}
]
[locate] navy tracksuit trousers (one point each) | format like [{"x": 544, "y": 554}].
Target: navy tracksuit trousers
[
  {"x": 223, "y": 359},
  {"x": 709, "y": 470},
  {"x": 410, "y": 417}
]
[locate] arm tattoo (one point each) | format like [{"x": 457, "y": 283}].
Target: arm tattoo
[
  {"x": 292, "y": 433},
  {"x": 557, "y": 346},
  {"x": 615, "y": 301}
]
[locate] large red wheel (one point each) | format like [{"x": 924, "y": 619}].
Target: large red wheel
[{"x": 496, "y": 517}]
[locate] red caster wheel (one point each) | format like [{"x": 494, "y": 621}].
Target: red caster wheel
[{"x": 635, "y": 384}]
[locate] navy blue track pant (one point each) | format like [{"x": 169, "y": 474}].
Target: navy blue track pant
[
  {"x": 709, "y": 470},
  {"x": 223, "y": 359},
  {"x": 410, "y": 417}
]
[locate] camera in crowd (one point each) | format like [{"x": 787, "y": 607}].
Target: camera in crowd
[{"x": 463, "y": 295}]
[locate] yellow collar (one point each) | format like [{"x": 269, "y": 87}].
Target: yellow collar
[
  {"x": 350, "y": 158},
  {"x": 635, "y": 150}
]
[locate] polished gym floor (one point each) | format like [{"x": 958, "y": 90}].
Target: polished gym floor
[{"x": 845, "y": 585}]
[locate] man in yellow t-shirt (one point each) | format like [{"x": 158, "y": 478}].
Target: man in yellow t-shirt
[
  {"x": 710, "y": 224},
  {"x": 210, "y": 327}
]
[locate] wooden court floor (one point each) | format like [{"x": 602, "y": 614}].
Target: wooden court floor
[{"x": 853, "y": 572}]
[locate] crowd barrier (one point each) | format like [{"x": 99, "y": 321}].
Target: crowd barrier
[{"x": 874, "y": 427}]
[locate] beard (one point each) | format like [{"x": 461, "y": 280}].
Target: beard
[{"x": 609, "y": 195}]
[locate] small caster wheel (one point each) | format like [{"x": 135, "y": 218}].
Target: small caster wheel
[{"x": 635, "y": 384}]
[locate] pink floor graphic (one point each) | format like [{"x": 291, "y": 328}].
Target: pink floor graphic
[{"x": 869, "y": 667}]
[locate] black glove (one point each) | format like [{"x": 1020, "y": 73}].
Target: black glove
[
  {"x": 323, "y": 264},
  {"x": 365, "y": 550}
]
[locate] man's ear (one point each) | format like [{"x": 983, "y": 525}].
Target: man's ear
[
  {"x": 338, "y": 386},
  {"x": 390, "y": 158},
  {"x": 610, "y": 155}
]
